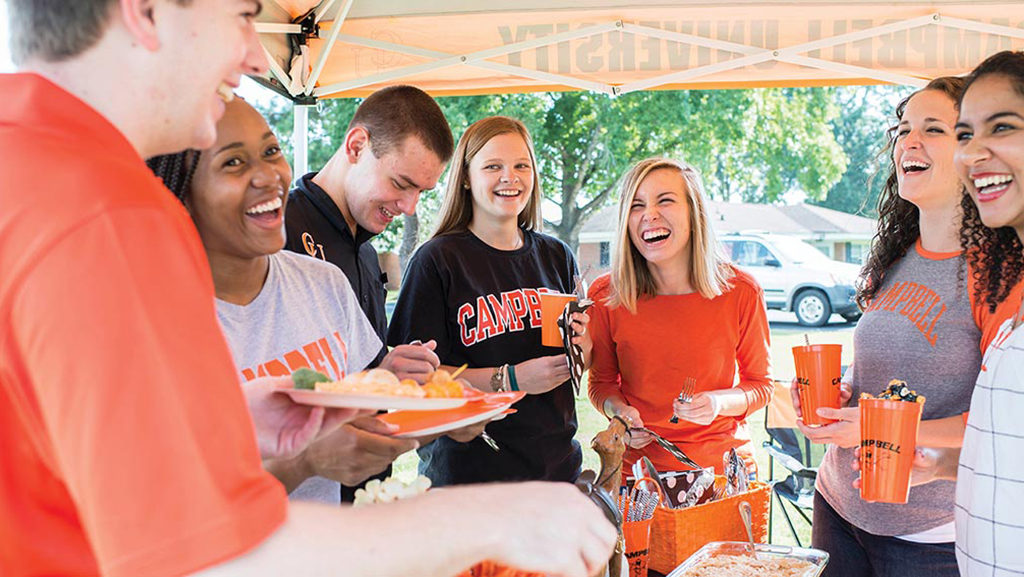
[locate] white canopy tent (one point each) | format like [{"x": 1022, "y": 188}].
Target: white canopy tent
[{"x": 345, "y": 48}]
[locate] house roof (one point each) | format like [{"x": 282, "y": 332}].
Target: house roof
[{"x": 797, "y": 220}]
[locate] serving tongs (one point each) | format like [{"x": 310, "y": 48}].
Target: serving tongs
[{"x": 668, "y": 446}]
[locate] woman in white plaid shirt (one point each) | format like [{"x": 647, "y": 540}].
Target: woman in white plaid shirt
[{"x": 990, "y": 161}]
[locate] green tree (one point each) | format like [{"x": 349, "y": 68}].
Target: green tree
[
  {"x": 789, "y": 145},
  {"x": 585, "y": 142},
  {"x": 867, "y": 111},
  {"x": 754, "y": 145}
]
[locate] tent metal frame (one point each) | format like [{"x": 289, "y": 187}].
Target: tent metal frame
[{"x": 747, "y": 55}]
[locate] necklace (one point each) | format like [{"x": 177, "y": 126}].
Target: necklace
[{"x": 493, "y": 243}]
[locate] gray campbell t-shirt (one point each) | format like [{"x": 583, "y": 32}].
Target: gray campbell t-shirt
[
  {"x": 923, "y": 327},
  {"x": 305, "y": 316}
]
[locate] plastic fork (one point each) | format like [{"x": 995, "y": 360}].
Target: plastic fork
[{"x": 685, "y": 395}]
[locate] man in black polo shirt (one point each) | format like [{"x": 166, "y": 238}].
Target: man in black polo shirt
[{"x": 397, "y": 146}]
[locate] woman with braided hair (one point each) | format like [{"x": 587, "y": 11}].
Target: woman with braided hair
[{"x": 280, "y": 310}]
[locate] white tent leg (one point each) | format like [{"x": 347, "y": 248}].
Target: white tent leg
[
  {"x": 339, "y": 21},
  {"x": 300, "y": 139}
]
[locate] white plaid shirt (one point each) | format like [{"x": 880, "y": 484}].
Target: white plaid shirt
[{"x": 990, "y": 479}]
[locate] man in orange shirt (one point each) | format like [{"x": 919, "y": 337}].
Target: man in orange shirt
[{"x": 127, "y": 446}]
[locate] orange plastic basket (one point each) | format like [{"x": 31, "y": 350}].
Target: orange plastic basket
[
  {"x": 492, "y": 569},
  {"x": 678, "y": 533}
]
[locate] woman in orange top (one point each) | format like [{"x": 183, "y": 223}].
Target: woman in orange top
[{"x": 673, "y": 307}]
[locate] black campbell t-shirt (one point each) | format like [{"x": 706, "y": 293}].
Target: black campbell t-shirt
[{"x": 482, "y": 306}]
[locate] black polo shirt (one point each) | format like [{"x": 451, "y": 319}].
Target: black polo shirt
[{"x": 315, "y": 226}]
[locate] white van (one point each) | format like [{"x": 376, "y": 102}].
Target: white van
[{"x": 796, "y": 276}]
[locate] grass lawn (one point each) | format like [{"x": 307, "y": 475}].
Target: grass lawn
[{"x": 784, "y": 337}]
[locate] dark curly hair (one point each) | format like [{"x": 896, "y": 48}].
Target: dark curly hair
[
  {"x": 176, "y": 170},
  {"x": 898, "y": 219},
  {"x": 996, "y": 255}
]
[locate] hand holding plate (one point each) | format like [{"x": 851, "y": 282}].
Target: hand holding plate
[{"x": 283, "y": 428}]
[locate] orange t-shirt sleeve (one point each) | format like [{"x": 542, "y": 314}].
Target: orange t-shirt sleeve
[
  {"x": 144, "y": 419},
  {"x": 604, "y": 380},
  {"x": 990, "y": 321},
  {"x": 753, "y": 352}
]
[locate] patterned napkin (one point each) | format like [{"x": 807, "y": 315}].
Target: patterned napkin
[
  {"x": 573, "y": 353},
  {"x": 737, "y": 477}
]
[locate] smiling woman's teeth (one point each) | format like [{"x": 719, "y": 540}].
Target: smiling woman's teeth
[
  {"x": 263, "y": 207},
  {"x": 387, "y": 212},
  {"x": 506, "y": 192},
  {"x": 980, "y": 183},
  {"x": 914, "y": 166},
  {"x": 654, "y": 235},
  {"x": 225, "y": 92}
]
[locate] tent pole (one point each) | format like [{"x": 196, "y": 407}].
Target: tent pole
[
  {"x": 438, "y": 56},
  {"x": 336, "y": 25},
  {"x": 300, "y": 139},
  {"x": 323, "y": 10},
  {"x": 278, "y": 72},
  {"x": 480, "y": 58}
]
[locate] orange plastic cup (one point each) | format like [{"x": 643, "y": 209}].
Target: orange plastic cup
[
  {"x": 818, "y": 373},
  {"x": 551, "y": 307},
  {"x": 637, "y": 537},
  {"x": 888, "y": 438}
]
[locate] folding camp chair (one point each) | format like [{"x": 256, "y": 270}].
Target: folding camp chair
[{"x": 792, "y": 451}]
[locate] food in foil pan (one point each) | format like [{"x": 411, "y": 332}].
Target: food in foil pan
[
  {"x": 739, "y": 559},
  {"x": 746, "y": 566}
]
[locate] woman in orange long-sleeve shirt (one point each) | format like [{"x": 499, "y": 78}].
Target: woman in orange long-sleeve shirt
[{"x": 673, "y": 307}]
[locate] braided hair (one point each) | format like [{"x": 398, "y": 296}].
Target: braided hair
[
  {"x": 898, "y": 219},
  {"x": 176, "y": 170},
  {"x": 996, "y": 255}
]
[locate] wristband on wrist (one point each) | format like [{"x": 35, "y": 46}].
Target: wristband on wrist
[
  {"x": 512, "y": 382},
  {"x": 498, "y": 379}
]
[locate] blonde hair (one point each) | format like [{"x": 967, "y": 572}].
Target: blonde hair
[
  {"x": 631, "y": 278},
  {"x": 457, "y": 206}
]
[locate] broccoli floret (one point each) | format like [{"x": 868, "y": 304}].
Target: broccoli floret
[{"x": 307, "y": 378}]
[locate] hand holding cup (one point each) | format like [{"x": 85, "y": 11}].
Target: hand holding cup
[{"x": 818, "y": 378}]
